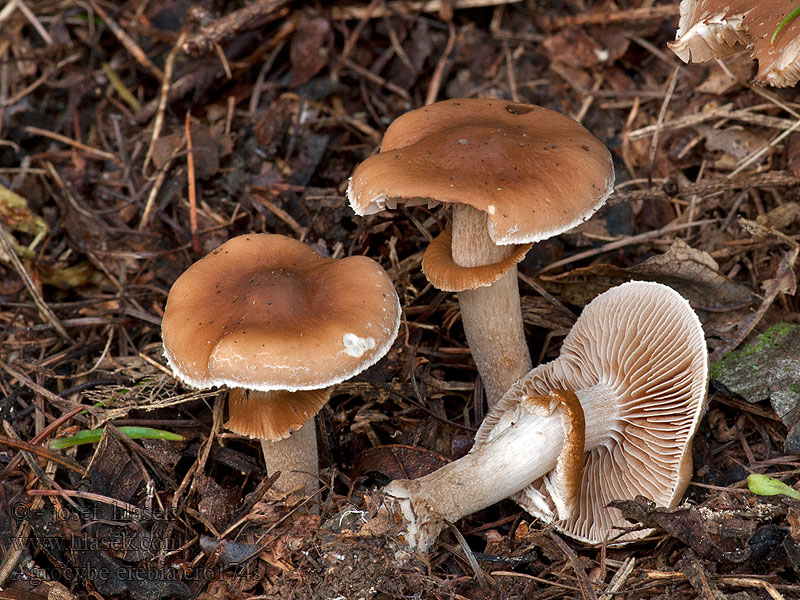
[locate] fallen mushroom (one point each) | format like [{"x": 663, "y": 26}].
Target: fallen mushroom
[
  {"x": 717, "y": 28},
  {"x": 611, "y": 418},
  {"x": 278, "y": 324},
  {"x": 514, "y": 174}
]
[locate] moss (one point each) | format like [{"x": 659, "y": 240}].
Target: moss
[
  {"x": 769, "y": 339},
  {"x": 766, "y": 369}
]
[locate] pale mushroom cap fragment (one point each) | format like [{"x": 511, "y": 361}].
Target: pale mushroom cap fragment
[
  {"x": 716, "y": 28},
  {"x": 266, "y": 312},
  {"x": 533, "y": 171},
  {"x": 639, "y": 349}
]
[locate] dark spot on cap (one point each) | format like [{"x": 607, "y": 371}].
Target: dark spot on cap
[{"x": 518, "y": 109}]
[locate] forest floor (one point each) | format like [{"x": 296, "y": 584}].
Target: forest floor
[{"x": 102, "y": 208}]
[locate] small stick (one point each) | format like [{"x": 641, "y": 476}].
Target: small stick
[
  {"x": 299, "y": 230},
  {"x": 74, "y": 143},
  {"x": 603, "y": 18},
  {"x": 127, "y": 41},
  {"x": 784, "y": 269},
  {"x": 401, "y": 7},
  {"x": 42, "y": 452},
  {"x": 438, "y": 72},
  {"x": 654, "y": 142},
  {"x": 587, "y": 591},
  {"x": 621, "y": 243},
  {"x": 164, "y": 96},
  {"x": 251, "y": 16},
  {"x": 769, "y": 179},
  {"x": 37, "y": 25},
  {"x": 49, "y": 315},
  {"x": 191, "y": 180}
]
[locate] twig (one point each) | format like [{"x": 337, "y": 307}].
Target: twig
[
  {"x": 37, "y": 25},
  {"x": 753, "y": 156},
  {"x": 74, "y": 143},
  {"x": 399, "y": 7},
  {"x": 784, "y": 270},
  {"x": 654, "y": 142},
  {"x": 262, "y": 199},
  {"x": 700, "y": 188},
  {"x": 619, "y": 579},
  {"x": 191, "y": 182},
  {"x": 621, "y": 243},
  {"x": 250, "y": 17},
  {"x": 50, "y": 396},
  {"x": 130, "y": 509},
  {"x": 49, "y": 315},
  {"x": 587, "y": 591},
  {"x": 41, "y": 452},
  {"x": 438, "y": 72},
  {"x": 163, "y": 97},
  {"x": 157, "y": 183},
  {"x": 536, "y": 579},
  {"x": 42, "y": 79},
  {"x": 603, "y": 18},
  {"x": 43, "y": 435},
  {"x": 351, "y": 40},
  {"x": 127, "y": 41},
  {"x": 484, "y": 580}
]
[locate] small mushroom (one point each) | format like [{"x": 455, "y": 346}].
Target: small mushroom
[
  {"x": 278, "y": 324},
  {"x": 514, "y": 174},
  {"x": 717, "y": 28},
  {"x": 611, "y": 418}
]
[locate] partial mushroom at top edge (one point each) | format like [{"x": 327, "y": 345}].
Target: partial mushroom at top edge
[{"x": 711, "y": 29}]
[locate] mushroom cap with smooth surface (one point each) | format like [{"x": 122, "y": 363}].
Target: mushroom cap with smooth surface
[
  {"x": 265, "y": 312},
  {"x": 533, "y": 171},
  {"x": 637, "y": 360},
  {"x": 717, "y": 28}
]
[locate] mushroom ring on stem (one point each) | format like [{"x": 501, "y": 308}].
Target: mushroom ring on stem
[
  {"x": 514, "y": 174},
  {"x": 636, "y": 361},
  {"x": 717, "y": 28},
  {"x": 278, "y": 324}
]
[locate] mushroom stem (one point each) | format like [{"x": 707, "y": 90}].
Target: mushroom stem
[
  {"x": 491, "y": 315},
  {"x": 527, "y": 448},
  {"x": 296, "y": 458}
]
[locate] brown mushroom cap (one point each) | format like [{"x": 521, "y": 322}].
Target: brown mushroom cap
[
  {"x": 533, "y": 171},
  {"x": 266, "y": 312},
  {"x": 716, "y": 28},
  {"x": 638, "y": 351}
]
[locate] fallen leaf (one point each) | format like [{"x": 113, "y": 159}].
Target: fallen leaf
[
  {"x": 766, "y": 369},
  {"x": 396, "y": 461},
  {"x": 687, "y": 525},
  {"x": 309, "y": 50},
  {"x": 691, "y": 272}
]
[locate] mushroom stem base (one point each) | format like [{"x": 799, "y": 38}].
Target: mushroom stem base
[
  {"x": 296, "y": 458},
  {"x": 477, "y": 480},
  {"x": 491, "y": 315},
  {"x": 526, "y": 447}
]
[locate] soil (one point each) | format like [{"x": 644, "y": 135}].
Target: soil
[{"x": 103, "y": 206}]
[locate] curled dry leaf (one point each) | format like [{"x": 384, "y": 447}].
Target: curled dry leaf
[{"x": 693, "y": 273}]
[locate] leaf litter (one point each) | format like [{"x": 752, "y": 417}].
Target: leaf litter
[{"x": 284, "y": 99}]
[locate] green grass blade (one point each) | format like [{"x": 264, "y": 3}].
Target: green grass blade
[{"x": 93, "y": 436}]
